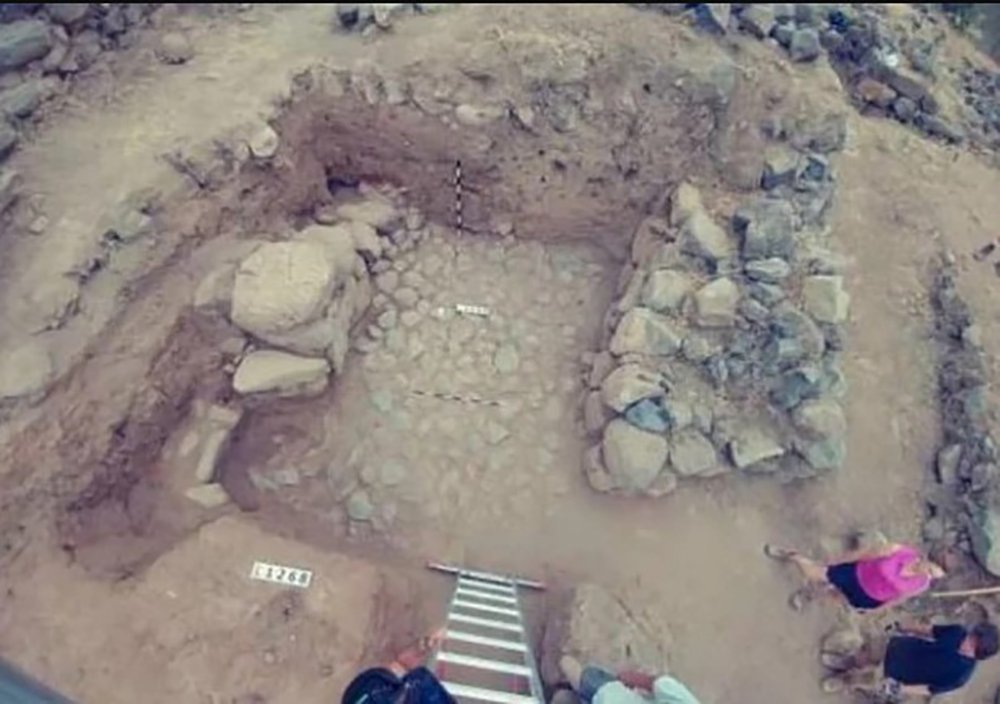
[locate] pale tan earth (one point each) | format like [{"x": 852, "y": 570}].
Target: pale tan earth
[{"x": 183, "y": 623}]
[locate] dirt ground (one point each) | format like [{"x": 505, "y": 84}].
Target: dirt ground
[{"x": 493, "y": 486}]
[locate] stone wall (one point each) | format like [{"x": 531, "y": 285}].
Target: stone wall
[
  {"x": 43, "y": 45},
  {"x": 721, "y": 352}
]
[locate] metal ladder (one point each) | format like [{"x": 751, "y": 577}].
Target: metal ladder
[{"x": 486, "y": 655}]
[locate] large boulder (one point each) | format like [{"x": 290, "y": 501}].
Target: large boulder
[
  {"x": 629, "y": 384},
  {"x": 280, "y": 286},
  {"x": 22, "y": 42},
  {"x": 271, "y": 371},
  {"x": 685, "y": 201},
  {"x": 632, "y": 456},
  {"x": 820, "y": 418},
  {"x": 339, "y": 243},
  {"x": 595, "y": 626},
  {"x": 644, "y": 331}
]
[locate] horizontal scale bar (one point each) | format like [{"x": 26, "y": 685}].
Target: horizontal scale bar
[
  {"x": 488, "y": 608},
  {"x": 486, "y": 596}
]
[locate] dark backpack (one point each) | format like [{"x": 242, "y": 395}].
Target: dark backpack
[{"x": 380, "y": 686}]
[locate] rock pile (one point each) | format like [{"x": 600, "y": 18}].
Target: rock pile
[
  {"x": 301, "y": 297},
  {"x": 722, "y": 351},
  {"x": 43, "y": 43},
  {"x": 888, "y": 69},
  {"x": 964, "y": 501}
]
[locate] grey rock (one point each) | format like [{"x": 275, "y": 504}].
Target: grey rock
[
  {"x": 905, "y": 109},
  {"x": 697, "y": 349},
  {"x": 715, "y": 303},
  {"x": 628, "y": 384},
  {"x": 602, "y": 365},
  {"x": 807, "y": 14},
  {"x": 768, "y": 294},
  {"x": 714, "y": 16},
  {"x": 406, "y": 297},
  {"x": 360, "y": 506},
  {"x": 804, "y": 45},
  {"x": 478, "y": 115},
  {"x": 936, "y": 126},
  {"x": 208, "y": 495},
  {"x": 824, "y": 134},
  {"x": 174, "y": 48},
  {"x": 649, "y": 415},
  {"x": 126, "y": 225},
  {"x": 678, "y": 413},
  {"x": 665, "y": 290},
  {"x": 26, "y": 369},
  {"x": 948, "y": 458},
  {"x": 751, "y": 445},
  {"x": 702, "y": 237},
  {"x": 796, "y": 386},
  {"x": 382, "y": 400},
  {"x": 753, "y": 310},
  {"x": 784, "y": 11},
  {"x": 643, "y": 331},
  {"x": 693, "y": 455},
  {"x": 387, "y": 282},
  {"x": 633, "y": 457},
  {"x": 780, "y": 167},
  {"x": 783, "y": 34},
  {"x": 649, "y": 239},
  {"x": 825, "y": 299},
  {"x": 770, "y": 271},
  {"x": 8, "y": 140},
  {"x": 506, "y": 360},
  {"x": 288, "y": 476},
  {"x": 717, "y": 370},
  {"x": 983, "y": 475},
  {"x": 10, "y": 188},
  {"x": 820, "y": 418},
  {"x": 685, "y": 201},
  {"x": 596, "y": 413},
  {"x": 790, "y": 323},
  {"x": 380, "y": 214},
  {"x": 67, "y": 13},
  {"x": 758, "y": 19},
  {"x": 387, "y": 319},
  {"x": 22, "y": 42},
  {"x": 824, "y": 454},
  {"x": 595, "y": 471},
  {"x": 286, "y": 374},
  {"x": 765, "y": 228},
  {"x": 22, "y": 100}
]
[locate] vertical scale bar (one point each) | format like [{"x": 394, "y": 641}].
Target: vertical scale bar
[
  {"x": 432, "y": 663},
  {"x": 459, "y": 223}
]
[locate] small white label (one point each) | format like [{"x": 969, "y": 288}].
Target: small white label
[
  {"x": 279, "y": 574},
  {"x": 481, "y": 311}
]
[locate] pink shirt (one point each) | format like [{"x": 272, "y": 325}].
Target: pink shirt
[{"x": 882, "y": 578}]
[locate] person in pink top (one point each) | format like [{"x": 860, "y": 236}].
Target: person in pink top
[{"x": 866, "y": 579}]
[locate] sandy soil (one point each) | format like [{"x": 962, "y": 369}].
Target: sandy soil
[{"x": 693, "y": 556}]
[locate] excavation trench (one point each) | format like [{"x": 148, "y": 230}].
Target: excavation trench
[{"x": 545, "y": 225}]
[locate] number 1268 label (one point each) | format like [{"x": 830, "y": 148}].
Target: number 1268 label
[{"x": 279, "y": 574}]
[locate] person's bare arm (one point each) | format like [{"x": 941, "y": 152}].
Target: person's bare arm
[
  {"x": 915, "y": 628},
  {"x": 634, "y": 679},
  {"x": 916, "y": 690}
]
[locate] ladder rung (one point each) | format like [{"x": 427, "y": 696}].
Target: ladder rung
[
  {"x": 488, "y": 608},
  {"x": 487, "y": 695},
  {"x": 486, "y": 596},
  {"x": 488, "y": 622},
  {"x": 510, "y": 668},
  {"x": 483, "y": 584},
  {"x": 475, "y": 639}
]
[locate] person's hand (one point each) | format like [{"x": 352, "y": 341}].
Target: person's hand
[
  {"x": 634, "y": 679},
  {"x": 417, "y": 654}
]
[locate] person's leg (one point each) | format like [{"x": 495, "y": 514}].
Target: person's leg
[
  {"x": 811, "y": 570},
  {"x": 585, "y": 681}
]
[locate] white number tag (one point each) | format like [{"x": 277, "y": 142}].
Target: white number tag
[{"x": 279, "y": 574}]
